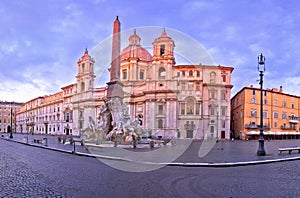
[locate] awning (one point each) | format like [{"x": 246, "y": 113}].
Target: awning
[{"x": 272, "y": 133}]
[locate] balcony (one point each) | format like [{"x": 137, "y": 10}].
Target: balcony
[
  {"x": 283, "y": 127},
  {"x": 251, "y": 126},
  {"x": 293, "y": 119}
]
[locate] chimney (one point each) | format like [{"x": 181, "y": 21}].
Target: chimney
[{"x": 280, "y": 89}]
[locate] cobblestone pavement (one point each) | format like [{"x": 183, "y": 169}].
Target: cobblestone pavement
[
  {"x": 223, "y": 151},
  {"x": 27, "y": 171}
]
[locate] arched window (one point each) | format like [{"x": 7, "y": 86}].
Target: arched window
[
  {"x": 212, "y": 77},
  {"x": 82, "y": 67},
  {"x": 190, "y": 106},
  {"x": 162, "y": 73},
  {"x": 82, "y": 86},
  {"x": 190, "y": 73}
]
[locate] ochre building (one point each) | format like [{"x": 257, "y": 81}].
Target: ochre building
[{"x": 280, "y": 114}]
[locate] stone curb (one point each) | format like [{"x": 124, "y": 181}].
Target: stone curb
[{"x": 183, "y": 164}]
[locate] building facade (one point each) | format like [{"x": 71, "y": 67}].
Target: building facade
[
  {"x": 185, "y": 101},
  {"x": 8, "y": 115},
  {"x": 280, "y": 114}
]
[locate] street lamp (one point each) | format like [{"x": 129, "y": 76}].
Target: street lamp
[
  {"x": 261, "y": 68},
  {"x": 11, "y": 128}
]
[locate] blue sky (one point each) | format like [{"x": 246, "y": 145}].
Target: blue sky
[{"x": 41, "y": 40}]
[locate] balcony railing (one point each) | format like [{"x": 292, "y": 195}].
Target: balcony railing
[
  {"x": 288, "y": 127},
  {"x": 251, "y": 126}
]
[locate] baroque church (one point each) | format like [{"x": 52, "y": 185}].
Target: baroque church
[{"x": 182, "y": 101}]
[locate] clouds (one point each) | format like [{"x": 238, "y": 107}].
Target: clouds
[{"x": 41, "y": 44}]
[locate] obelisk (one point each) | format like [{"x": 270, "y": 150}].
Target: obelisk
[{"x": 115, "y": 86}]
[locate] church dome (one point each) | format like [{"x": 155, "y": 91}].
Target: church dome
[{"x": 135, "y": 50}]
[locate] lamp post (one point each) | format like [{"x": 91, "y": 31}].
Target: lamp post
[
  {"x": 11, "y": 128},
  {"x": 261, "y": 68}
]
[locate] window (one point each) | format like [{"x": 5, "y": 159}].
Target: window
[
  {"x": 253, "y": 92},
  {"x": 275, "y": 114},
  {"x": 224, "y": 78},
  {"x": 253, "y": 113},
  {"x": 212, "y": 77},
  {"x": 190, "y": 73},
  {"x": 162, "y": 72},
  {"x": 284, "y": 115},
  {"x": 182, "y": 108},
  {"x": 212, "y": 111},
  {"x": 183, "y": 73},
  {"x": 275, "y": 102},
  {"x": 223, "y": 95},
  {"x": 197, "y": 108},
  {"x": 160, "y": 124},
  {"x": 141, "y": 74},
  {"x": 253, "y": 100},
  {"x": 266, "y": 93},
  {"x": 162, "y": 50},
  {"x": 223, "y": 124},
  {"x": 124, "y": 73},
  {"x": 82, "y": 86},
  {"x": 160, "y": 109},
  {"x": 265, "y": 101},
  {"x": 190, "y": 86},
  {"x": 223, "y": 111},
  {"x": 198, "y": 73},
  {"x": 213, "y": 94},
  {"x": 283, "y": 104},
  {"x": 265, "y": 114},
  {"x": 82, "y": 67},
  {"x": 182, "y": 85},
  {"x": 197, "y": 86},
  {"x": 293, "y": 106},
  {"x": 190, "y": 107},
  {"x": 178, "y": 74}
]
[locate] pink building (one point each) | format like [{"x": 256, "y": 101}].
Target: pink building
[{"x": 185, "y": 101}]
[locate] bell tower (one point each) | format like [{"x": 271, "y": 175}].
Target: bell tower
[
  {"x": 163, "y": 47},
  {"x": 85, "y": 76},
  {"x": 83, "y": 99},
  {"x": 163, "y": 57}
]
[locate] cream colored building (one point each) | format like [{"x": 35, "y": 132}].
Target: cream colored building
[{"x": 185, "y": 101}]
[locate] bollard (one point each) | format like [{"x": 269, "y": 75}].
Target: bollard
[
  {"x": 45, "y": 141},
  {"x": 26, "y": 139},
  {"x": 74, "y": 147}
]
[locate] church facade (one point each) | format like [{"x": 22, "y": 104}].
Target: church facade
[{"x": 184, "y": 101}]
